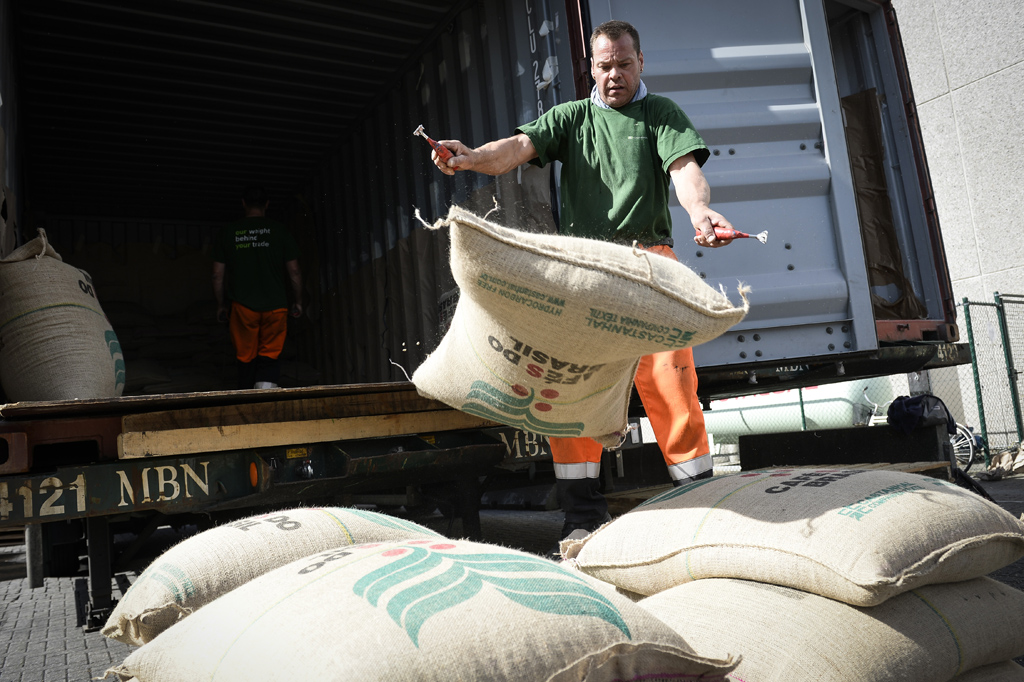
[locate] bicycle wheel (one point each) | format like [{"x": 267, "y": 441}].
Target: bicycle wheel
[{"x": 963, "y": 446}]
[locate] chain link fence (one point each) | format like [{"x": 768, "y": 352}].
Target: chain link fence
[
  {"x": 983, "y": 397},
  {"x": 995, "y": 332}
]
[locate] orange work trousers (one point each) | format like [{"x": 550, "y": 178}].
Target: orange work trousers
[
  {"x": 667, "y": 385},
  {"x": 255, "y": 333}
]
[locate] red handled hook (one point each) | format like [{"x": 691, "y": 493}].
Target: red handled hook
[
  {"x": 443, "y": 152},
  {"x": 726, "y": 233}
]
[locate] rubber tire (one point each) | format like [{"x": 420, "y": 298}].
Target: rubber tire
[{"x": 963, "y": 447}]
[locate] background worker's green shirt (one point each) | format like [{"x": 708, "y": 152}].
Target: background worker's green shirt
[
  {"x": 615, "y": 182},
  {"x": 255, "y": 251}
]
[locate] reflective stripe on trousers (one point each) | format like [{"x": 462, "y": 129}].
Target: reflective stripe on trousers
[
  {"x": 576, "y": 470},
  {"x": 689, "y": 469}
]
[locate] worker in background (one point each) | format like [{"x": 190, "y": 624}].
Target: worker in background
[
  {"x": 260, "y": 259},
  {"x": 619, "y": 149}
]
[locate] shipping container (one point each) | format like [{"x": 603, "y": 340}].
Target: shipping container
[{"x": 131, "y": 128}]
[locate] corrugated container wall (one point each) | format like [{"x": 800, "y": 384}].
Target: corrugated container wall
[
  {"x": 767, "y": 84},
  {"x": 10, "y": 168},
  {"x": 383, "y": 278}
]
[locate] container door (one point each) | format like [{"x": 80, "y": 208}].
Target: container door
[{"x": 756, "y": 77}]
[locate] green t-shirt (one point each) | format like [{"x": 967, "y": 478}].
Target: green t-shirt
[
  {"x": 255, "y": 251},
  {"x": 615, "y": 182}
]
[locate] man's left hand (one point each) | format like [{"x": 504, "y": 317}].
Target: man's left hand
[{"x": 705, "y": 223}]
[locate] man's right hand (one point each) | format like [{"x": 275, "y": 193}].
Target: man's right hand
[
  {"x": 460, "y": 159},
  {"x": 493, "y": 158},
  {"x": 222, "y": 313}
]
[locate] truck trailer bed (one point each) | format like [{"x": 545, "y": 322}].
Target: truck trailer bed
[{"x": 70, "y": 469}]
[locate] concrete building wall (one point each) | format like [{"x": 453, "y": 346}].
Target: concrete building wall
[{"x": 966, "y": 60}]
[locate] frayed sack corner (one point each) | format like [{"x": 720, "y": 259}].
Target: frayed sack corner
[
  {"x": 744, "y": 291},
  {"x": 445, "y": 222},
  {"x": 441, "y": 222},
  {"x": 119, "y": 672}
]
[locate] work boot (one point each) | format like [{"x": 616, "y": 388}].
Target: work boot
[
  {"x": 582, "y": 502},
  {"x": 575, "y": 531},
  {"x": 585, "y": 507},
  {"x": 246, "y": 374},
  {"x": 268, "y": 371},
  {"x": 588, "y": 528}
]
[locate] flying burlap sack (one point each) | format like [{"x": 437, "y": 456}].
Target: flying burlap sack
[
  {"x": 55, "y": 341},
  {"x": 205, "y": 566},
  {"x": 421, "y": 610},
  {"x": 549, "y": 329},
  {"x": 933, "y": 633},
  {"x": 857, "y": 535}
]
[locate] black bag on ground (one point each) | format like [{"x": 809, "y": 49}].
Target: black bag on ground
[{"x": 907, "y": 413}]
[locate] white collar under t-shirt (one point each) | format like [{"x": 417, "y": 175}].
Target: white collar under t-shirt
[{"x": 640, "y": 93}]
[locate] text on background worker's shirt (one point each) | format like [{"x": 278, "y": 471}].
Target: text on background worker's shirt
[
  {"x": 255, "y": 251},
  {"x": 615, "y": 183}
]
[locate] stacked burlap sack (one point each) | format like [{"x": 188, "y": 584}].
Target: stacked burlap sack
[
  {"x": 55, "y": 341},
  {"x": 343, "y": 594},
  {"x": 548, "y": 329},
  {"x": 836, "y": 575}
]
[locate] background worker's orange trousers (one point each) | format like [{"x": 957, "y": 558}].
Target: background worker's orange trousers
[{"x": 254, "y": 333}]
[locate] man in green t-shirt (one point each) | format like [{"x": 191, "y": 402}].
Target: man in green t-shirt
[
  {"x": 253, "y": 256},
  {"x": 619, "y": 149}
]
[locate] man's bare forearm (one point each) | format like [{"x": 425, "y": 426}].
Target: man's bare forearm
[
  {"x": 692, "y": 188},
  {"x": 501, "y": 156},
  {"x": 494, "y": 158},
  {"x": 694, "y": 194}
]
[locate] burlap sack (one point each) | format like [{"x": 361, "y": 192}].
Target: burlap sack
[
  {"x": 548, "y": 329},
  {"x": 856, "y": 535},
  {"x": 205, "y": 566},
  {"x": 931, "y": 634},
  {"x": 55, "y": 341},
  {"x": 1007, "y": 671},
  {"x": 420, "y": 610}
]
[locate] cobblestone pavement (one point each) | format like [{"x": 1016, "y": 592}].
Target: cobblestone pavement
[
  {"x": 40, "y": 637},
  {"x": 41, "y": 641}
]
